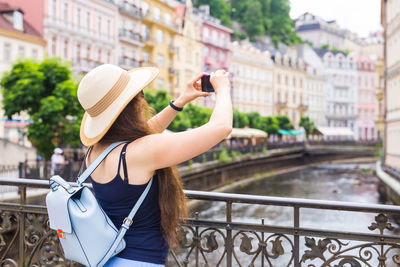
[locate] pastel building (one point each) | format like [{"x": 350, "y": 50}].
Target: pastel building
[
  {"x": 366, "y": 84},
  {"x": 18, "y": 40},
  {"x": 216, "y": 39},
  {"x": 391, "y": 23},
  {"x": 82, "y": 32},
  {"x": 159, "y": 30},
  {"x": 252, "y": 79},
  {"x": 341, "y": 94},
  {"x": 130, "y": 39},
  {"x": 316, "y": 83},
  {"x": 290, "y": 94},
  {"x": 188, "y": 60}
]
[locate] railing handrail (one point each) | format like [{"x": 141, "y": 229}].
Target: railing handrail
[{"x": 243, "y": 198}]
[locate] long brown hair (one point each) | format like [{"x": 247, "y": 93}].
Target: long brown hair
[{"x": 130, "y": 125}]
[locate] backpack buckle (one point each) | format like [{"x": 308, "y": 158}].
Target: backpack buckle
[{"x": 129, "y": 220}]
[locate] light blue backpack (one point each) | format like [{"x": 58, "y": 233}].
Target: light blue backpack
[{"x": 86, "y": 233}]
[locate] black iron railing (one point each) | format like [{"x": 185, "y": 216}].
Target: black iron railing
[{"x": 26, "y": 239}]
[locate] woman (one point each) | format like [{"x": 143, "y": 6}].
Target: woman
[{"x": 116, "y": 111}]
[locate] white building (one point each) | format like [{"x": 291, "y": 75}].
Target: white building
[
  {"x": 129, "y": 33},
  {"x": 341, "y": 96},
  {"x": 320, "y": 32},
  {"x": 18, "y": 40},
  {"x": 315, "y": 83},
  {"x": 252, "y": 81}
]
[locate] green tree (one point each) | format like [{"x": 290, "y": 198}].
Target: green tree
[
  {"x": 46, "y": 92},
  {"x": 253, "y": 22},
  {"x": 284, "y": 122},
  {"x": 325, "y": 46},
  {"x": 254, "y": 120},
  {"x": 240, "y": 119},
  {"x": 270, "y": 125},
  {"x": 307, "y": 124}
]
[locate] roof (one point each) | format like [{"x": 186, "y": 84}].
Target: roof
[
  {"x": 321, "y": 52},
  {"x": 7, "y": 25},
  {"x": 308, "y": 27},
  {"x": 335, "y": 131},
  {"x": 246, "y": 133}
]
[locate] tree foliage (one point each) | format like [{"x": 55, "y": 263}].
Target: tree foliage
[
  {"x": 46, "y": 92},
  {"x": 257, "y": 17},
  {"x": 308, "y": 125},
  {"x": 284, "y": 122}
]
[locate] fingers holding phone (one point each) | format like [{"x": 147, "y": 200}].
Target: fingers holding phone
[{"x": 220, "y": 80}]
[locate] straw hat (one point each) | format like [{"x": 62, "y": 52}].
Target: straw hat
[{"x": 104, "y": 92}]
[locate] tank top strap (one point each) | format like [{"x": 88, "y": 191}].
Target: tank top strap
[{"x": 123, "y": 159}]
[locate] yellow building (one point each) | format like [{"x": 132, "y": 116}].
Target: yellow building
[
  {"x": 189, "y": 54},
  {"x": 159, "y": 30},
  {"x": 289, "y": 87}
]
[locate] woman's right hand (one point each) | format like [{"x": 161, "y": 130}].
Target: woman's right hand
[{"x": 220, "y": 81}]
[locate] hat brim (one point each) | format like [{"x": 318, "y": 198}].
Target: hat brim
[{"x": 94, "y": 128}]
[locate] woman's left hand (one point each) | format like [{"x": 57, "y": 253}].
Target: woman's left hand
[{"x": 192, "y": 91}]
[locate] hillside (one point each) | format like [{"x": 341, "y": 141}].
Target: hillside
[{"x": 256, "y": 18}]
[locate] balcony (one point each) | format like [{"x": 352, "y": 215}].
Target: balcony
[
  {"x": 172, "y": 71},
  {"x": 172, "y": 48},
  {"x": 302, "y": 107},
  {"x": 131, "y": 37},
  {"x": 160, "y": 21},
  {"x": 149, "y": 41},
  {"x": 219, "y": 43},
  {"x": 130, "y": 10},
  {"x": 84, "y": 65},
  {"x": 149, "y": 64},
  {"x": 129, "y": 63},
  {"x": 281, "y": 104}
]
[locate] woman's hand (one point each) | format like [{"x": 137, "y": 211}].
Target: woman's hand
[
  {"x": 192, "y": 91},
  {"x": 220, "y": 81}
]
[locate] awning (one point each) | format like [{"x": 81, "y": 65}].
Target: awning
[
  {"x": 335, "y": 131},
  {"x": 283, "y": 132},
  {"x": 247, "y": 133}
]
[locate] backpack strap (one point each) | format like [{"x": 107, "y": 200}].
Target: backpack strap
[
  {"x": 125, "y": 225},
  {"x": 96, "y": 163}
]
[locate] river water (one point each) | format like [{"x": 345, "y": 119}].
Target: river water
[{"x": 341, "y": 182}]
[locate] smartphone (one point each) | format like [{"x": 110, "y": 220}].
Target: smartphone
[{"x": 206, "y": 85}]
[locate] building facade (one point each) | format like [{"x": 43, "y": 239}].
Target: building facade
[
  {"x": 252, "y": 79},
  {"x": 189, "y": 55},
  {"x": 341, "y": 94},
  {"x": 159, "y": 30},
  {"x": 391, "y": 24},
  {"x": 366, "y": 84},
  {"x": 315, "y": 83},
  {"x": 82, "y": 32},
  {"x": 130, "y": 39},
  {"x": 18, "y": 41},
  {"x": 319, "y": 32},
  {"x": 289, "y": 87}
]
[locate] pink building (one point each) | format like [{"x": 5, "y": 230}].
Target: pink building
[
  {"x": 216, "y": 40},
  {"x": 365, "y": 123},
  {"x": 82, "y": 32}
]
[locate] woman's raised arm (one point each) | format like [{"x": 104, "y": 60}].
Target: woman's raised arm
[{"x": 164, "y": 150}]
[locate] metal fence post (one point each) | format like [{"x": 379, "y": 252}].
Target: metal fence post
[
  {"x": 296, "y": 224},
  {"x": 21, "y": 243},
  {"x": 229, "y": 242}
]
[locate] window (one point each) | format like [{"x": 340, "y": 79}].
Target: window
[
  {"x": 160, "y": 83},
  {"x": 278, "y": 79},
  {"x": 160, "y": 36},
  {"x": 207, "y": 51},
  {"x": 34, "y": 53},
  {"x": 223, "y": 56},
  {"x": 206, "y": 32},
  {"x": 54, "y": 7},
  {"x": 7, "y": 53},
  {"x": 168, "y": 18},
  {"x": 66, "y": 49},
  {"x": 18, "y": 21},
  {"x": 88, "y": 52},
  {"x": 88, "y": 20},
  {"x": 214, "y": 35},
  {"x": 53, "y": 46},
  {"x": 145, "y": 32},
  {"x": 157, "y": 13},
  {"x": 160, "y": 60},
  {"x": 78, "y": 51},
  {"x": 65, "y": 12},
  {"x": 294, "y": 82},
  {"x": 78, "y": 17},
  {"x": 286, "y": 80},
  {"x": 169, "y": 40},
  {"x": 21, "y": 52},
  {"x": 99, "y": 25},
  {"x": 108, "y": 27},
  {"x": 145, "y": 7},
  {"x": 215, "y": 54},
  {"x": 146, "y": 56},
  {"x": 108, "y": 56}
]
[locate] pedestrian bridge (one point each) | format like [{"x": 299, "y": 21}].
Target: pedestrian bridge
[{"x": 26, "y": 239}]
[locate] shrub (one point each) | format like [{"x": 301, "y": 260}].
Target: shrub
[
  {"x": 203, "y": 158},
  {"x": 223, "y": 156}
]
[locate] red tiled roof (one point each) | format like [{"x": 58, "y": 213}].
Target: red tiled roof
[{"x": 7, "y": 25}]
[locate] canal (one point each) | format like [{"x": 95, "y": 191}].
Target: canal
[{"x": 340, "y": 182}]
